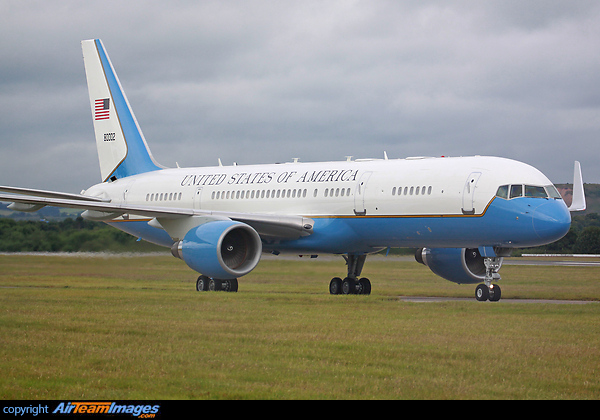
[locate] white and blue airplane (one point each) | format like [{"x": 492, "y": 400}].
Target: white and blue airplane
[{"x": 463, "y": 214}]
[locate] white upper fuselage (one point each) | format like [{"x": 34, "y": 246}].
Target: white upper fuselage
[{"x": 401, "y": 187}]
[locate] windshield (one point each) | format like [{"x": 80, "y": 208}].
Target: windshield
[
  {"x": 518, "y": 190},
  {"x": 553, "y": 192}
]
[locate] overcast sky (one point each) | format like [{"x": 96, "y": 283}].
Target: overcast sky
[{"x": 267, "y": 81}]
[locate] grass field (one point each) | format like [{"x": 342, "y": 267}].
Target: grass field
[{"x": 134, "y": 328}]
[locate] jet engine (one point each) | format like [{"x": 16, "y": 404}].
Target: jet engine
[
  {"x": 221, "y": 249},
  {"x": 459, "y": 265}
]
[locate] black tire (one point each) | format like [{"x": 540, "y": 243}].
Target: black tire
[
  {"x": 365, "y": 286},
  {"x": 348, "y": 286},
  {"x": 482, "y": 293},
  {"x": 214, "y": 285},
  {"x": 495, "y": 293},
  {"x": 335, "y": 286},
  {"x": 202, "y": 283},
  {"x": 229, "y": 285}
]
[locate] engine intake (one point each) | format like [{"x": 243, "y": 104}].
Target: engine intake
[{"x": 222, "y": 249}]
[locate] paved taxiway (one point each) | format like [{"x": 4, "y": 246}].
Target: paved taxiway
[
  {"x": 419, "y": 299},
  {"x": 552, "y": 263}
]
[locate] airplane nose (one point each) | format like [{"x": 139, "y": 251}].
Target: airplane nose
[{"x": 552, "y": 220}]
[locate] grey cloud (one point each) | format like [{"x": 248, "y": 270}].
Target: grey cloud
[{"x": 266, "y": 81}]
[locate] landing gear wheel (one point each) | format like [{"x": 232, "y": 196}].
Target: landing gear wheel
[
  {"x": 348, "y": 286},
  {"x": 202, "y": 283},
  {"x": 229, "y": 285},
  {"x": 364, "y": 286},
  {"x": 495, "y": 293},
  {"x": 214, "y": 285},
  {"x": 335, "y": 286},
  {"x": 482, "y": 293}
]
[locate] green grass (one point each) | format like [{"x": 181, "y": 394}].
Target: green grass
[{"x": 134, "y": 328}]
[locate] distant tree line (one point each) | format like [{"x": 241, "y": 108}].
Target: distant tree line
[
  {"x": 68, "y": 235},
  {"x": 80, "y": 235}
]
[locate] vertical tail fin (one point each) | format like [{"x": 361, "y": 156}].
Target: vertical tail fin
[{"x": 122, "y": 148}]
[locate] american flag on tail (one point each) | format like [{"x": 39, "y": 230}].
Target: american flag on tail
[{"x": 101, "y": 109}]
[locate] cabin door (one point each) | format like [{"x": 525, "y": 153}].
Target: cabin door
[
  {"x": 197, "y": 198},
  {"x": 468, "y": 197},
  {"x": 359, "y": 194}
]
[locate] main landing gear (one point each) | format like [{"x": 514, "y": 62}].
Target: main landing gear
[
  {"x": 351, "y": 285},
  {"x": 487, "y": 290},
  {"x": 205, "y": 283}
]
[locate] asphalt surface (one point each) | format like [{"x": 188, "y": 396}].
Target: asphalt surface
[{"x": 419, "y": 299}]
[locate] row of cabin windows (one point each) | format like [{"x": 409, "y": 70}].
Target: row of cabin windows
[
  {"x": 250, "y": 194},
  {"x": 163, "y": 197},
  {"x": 336, "y": 192},
  {"x": 514, "y": 191},
  {"x": 285, "y": 193},
  {"x": 412, "y": 190}
]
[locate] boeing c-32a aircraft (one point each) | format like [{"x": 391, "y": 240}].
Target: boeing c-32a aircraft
[{"x": 464, "y": 214}]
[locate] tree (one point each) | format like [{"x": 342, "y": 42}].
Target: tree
[{"x": 588, "y": 241}]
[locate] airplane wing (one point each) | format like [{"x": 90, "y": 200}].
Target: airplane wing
[
  {"x": 50, "y": 194},
  {"x": 176, "y": 221}
]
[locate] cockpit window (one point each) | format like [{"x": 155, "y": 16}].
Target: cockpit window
[
  {"x": 516, "y": 191},
  {"x": 532, "y": 191},
  {"x": 552, "y": 192},
  {"x": 502, "y": 191}
]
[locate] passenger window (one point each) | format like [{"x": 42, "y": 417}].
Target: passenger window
[
  {"x": 531, "y": 191},
  {"x": 502, "y": 192},
  {"x": 516, "y": 191}
]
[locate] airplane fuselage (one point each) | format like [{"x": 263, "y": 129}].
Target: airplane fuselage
[{"x": 361, "y": 206}]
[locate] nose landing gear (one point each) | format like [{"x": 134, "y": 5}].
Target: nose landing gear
[{"x": 488, "y": 290}]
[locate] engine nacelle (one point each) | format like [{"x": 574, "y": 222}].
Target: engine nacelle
[
  {"x": 459, "y": 265},
  {"x": 221, "y": 249}
]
